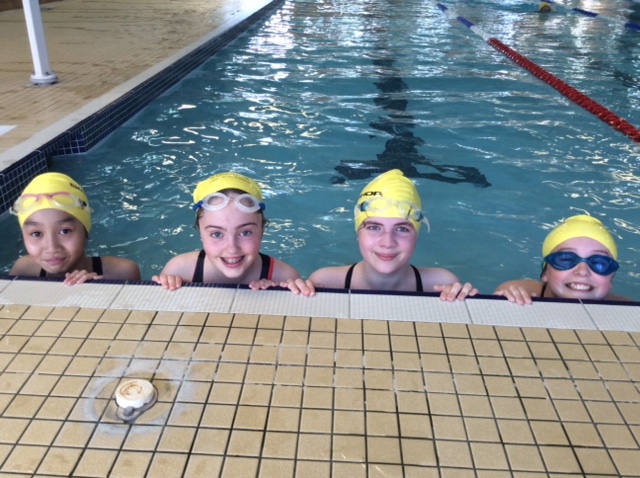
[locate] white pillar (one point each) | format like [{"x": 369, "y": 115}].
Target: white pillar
[{"x": 42, "y": 71}]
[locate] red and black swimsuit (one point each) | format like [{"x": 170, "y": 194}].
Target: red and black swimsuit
[{"x": 266, "y": 272}]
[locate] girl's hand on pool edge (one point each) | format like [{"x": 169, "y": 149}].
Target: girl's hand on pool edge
[
  {"x": 516, "y": 294},
  {"x": 455, "y": 291},
  {"x": 300, "y": 286},
  {"x": 79, "y": 277},
  {"x": 169, "y": 282},
  {"x": 262, "y": 284}
]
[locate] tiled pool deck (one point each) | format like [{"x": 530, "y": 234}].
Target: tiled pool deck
[{"x": 268, "y": 383}]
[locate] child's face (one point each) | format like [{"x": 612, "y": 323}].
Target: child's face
[
  {"x": 387, "y": 244},
  {"x": 231, "y": 239},
  {"x": 55, "y": 240},
  {"x": 580, "y": 282}
]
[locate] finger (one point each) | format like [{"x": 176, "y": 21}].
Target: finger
[{"x": 306, "y": 288}]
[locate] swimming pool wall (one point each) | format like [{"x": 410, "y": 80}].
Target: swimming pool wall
[{"x": 96, "y": 126}]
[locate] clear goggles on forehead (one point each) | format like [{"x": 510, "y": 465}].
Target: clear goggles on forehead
[
  {"x": 380, "y": 205},
  {"x": 565, "y": 260},
  {"x": 61, "y": 200},
  {"x": 218, "y": 201}
]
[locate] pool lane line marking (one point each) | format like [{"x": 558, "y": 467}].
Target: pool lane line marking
[
  {"x": 587, "y": 13},
  {"x": 563, "y": 88}
]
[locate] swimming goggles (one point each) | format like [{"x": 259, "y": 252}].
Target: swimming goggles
[
  {"x": 218, "y": 201},
  {"x": 565, "y": 260},
  {"x": 60, "y": 200},
  {"x": 378, "y": 206}
]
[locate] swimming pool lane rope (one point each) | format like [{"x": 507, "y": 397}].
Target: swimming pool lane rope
[
  {"x": 587, "y": 13},
  {"x": 563, "y": 88}
]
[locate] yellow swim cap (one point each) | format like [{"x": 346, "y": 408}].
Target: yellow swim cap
[
  {"x": 390, "y": 194},
  {"x": 544, "y": 7},
  {"x": 54, "y": 191},
  {"x": 579, "y": 226},
  {"x": 222, "y": 181}
]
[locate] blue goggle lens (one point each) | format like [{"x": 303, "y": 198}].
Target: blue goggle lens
[{"x": 563, "y": 261}]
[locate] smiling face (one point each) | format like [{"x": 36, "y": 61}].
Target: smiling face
[
  {"x": 231, "y": 239},
  {"x": 580, "y": 282},
  {"x": 387, "y": 244},
  {"x": 55, "y": 240}
]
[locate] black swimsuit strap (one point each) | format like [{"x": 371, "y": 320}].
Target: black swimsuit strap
[
  {"x": 265, "y": 272},
  {"x": 198, "y": 273},
  {"x": 544, "y": 288},
  {"x": 418, "y": 279},
  {"x": 267, "y": 266},
  {"x": 347, "y": 279},
  {"x": 96, "y": 264}
]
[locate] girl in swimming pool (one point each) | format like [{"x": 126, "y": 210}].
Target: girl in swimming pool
[
  {"x": 55, "y": 217},
  {"x": 230, "y": 218},
  {"x": 388, "y": 216},
  {"x": 579, "y": 262}
]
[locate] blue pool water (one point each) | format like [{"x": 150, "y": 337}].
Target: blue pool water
[{"x": 320, "y": 96}]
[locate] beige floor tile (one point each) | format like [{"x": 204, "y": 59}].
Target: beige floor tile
[
  {"x": 280, "y": 445},
  {"x": 59, "y": 461},
  {"x": 418, "y": 452},
  {"x": 167, "y": 465},
  {"x": 199, "y": 465},
  {"x": 41, "y": 432},
  {"x": 349, "y": 470},
  {"x": 596, "y": 462},
  {"x": 314, "y": 446},
  {"x": 349, "y": 448},
  {"x": 24, "y": 459},
  {"x": 96, "y": 463},
  {"x": 489, "y": 456},
  {"x": 415, "y": 426},
  {"x": 176, "y": 439},
  {"x": 383, "y": 450},
  {"x": 131, "y": 464},
  {"x": 313, "y": 469},
  {"x": 454, "y": 454},
  {"x": 524, "y": 458}
]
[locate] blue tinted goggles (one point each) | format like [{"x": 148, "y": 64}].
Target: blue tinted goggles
[{"x": 564, "y": 260}]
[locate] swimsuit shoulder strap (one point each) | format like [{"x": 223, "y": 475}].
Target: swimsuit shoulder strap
[
  {"x": 347, "y": 279},
  {"x": 267, "y": 266},
  {"x": 543, "y": 290},
  {"x": 418, "y": 279},
  {"x": 96, "y": 263},
  {"x": 198, "y": 273}
]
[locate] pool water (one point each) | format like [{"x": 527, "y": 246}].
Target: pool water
[{"x": 319, "y": 97}]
